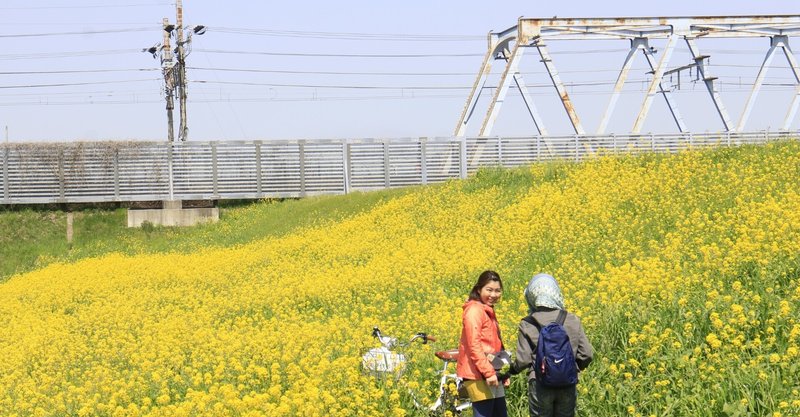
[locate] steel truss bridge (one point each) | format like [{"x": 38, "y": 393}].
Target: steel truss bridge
[
  {"x": 509, "y": 46},
  {"x": 93, "y": 172}
]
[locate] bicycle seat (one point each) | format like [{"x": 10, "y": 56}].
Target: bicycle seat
[{"x": 448, "y": 355}]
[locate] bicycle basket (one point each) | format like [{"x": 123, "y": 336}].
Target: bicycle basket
[{"x": 382, "y": 361}]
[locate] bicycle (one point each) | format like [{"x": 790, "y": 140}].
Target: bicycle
[{"x": 390, "y": 360}]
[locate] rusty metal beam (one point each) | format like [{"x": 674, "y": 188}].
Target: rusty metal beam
[
  {"x": 671, "y": 104},
  {"x": 511, "y": 68},
  {"x": 708, "y": 79},
  {"x": 497, "y": 44},
  {"x": 787, "y": 122},
  {"x": 774, "y": 45},
  {"x": 562, "y": 91},
  {"x": 644, "y": 45},
  {"x": 526, "y": 97},
  {"x": 474, "y": 94},
  {"x": 658, "y": 27},
  {"x": 658, "y": 73},
  {"x": 623, "y": 75}
]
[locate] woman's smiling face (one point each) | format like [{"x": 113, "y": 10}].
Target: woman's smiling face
[{"x": 491, "y": 292}]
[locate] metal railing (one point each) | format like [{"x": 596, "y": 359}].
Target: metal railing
[{"x": 81, "y": 172}]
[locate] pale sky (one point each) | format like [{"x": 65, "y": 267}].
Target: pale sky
[{"x": 74, "y": 69}]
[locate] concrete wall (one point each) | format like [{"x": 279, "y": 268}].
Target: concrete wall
[{"x": 173, "y": 215}]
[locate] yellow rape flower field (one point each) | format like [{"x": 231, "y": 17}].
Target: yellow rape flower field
[{"x": 685, "y": 270}]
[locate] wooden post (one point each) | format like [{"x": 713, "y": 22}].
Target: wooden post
[{"x": 69, "y": 228}]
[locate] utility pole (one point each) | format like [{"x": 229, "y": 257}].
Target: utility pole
[
  {"x": 168, "y": 68},
  {"x": 173, "y": 66},
  {"x": 183, "y": 133}
]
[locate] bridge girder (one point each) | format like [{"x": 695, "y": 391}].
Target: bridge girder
[{"x": 535, "y": 32}]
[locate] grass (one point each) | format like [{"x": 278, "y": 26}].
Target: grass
[{"x": 33, "y": 237}]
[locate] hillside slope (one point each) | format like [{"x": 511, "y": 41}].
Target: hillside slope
[{"x": 683, "y": 268}]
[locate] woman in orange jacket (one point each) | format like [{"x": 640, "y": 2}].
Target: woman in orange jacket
[{"x": 480, "y": 336}]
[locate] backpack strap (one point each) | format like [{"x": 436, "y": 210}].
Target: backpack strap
[
  {"x": 532, "y": 320},
  {"x": 562, "y": 317}
]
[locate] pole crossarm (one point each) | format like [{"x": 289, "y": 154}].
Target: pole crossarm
[{"x": 509, "y": 44}]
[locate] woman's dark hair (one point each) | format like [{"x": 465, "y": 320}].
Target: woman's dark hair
[{"x": 484, "y": 278}]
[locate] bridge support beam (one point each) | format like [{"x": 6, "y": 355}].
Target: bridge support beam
[
  {"x": 708, "y": 79},
  {"x": 658, "y": 74},
  {"x": 562, "y": 91},
  {"x": 512, "y": 67},
  {"x": 644, "y": 45},
  {"x": 787, "y": 121},
  {"x": 474, "y": 94}
]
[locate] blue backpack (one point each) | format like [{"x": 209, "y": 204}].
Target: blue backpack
[{"x": 554, "y": 363}]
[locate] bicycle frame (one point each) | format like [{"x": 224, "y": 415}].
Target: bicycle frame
[{"x": 461, "y": 401}]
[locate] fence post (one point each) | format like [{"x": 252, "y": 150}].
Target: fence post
[
  {"x": 61, "y": 177},
  {"x": 6, "y": 179},
  {"x": 214, "y": 172},
  {"x": 386, "y": 172},
  {"x": 171, "y": 170},
  {"x": 116, "y": 174},
  {"x": 614, "y": 143},
  {"x": 423, "y": 145},
  {"x": 500, "y": 151},
  {"x": 259, "y": 183},
  {"x": 577, "y": 158},
  {"x": 302, "y": 148},
  {"x": 539, "y": 140},
  {"x": 346, "y": 165},
  {"x": 652, "y": 143},
  {"x": 728, "y": 137},
  {"x": 462, "y": 158}
]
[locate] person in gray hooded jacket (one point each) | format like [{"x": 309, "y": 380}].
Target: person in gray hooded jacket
[{"x": 545, "y": 300}]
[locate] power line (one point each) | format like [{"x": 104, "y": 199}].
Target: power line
[
  {"x": 85, "y": 32},
  {"x": 347, "y": 55},
  {"x": 83, "y": 71},
  {"x": 49, "y": 55},
  {"x": 332, "y": 72},
  {"x": 140, "y": 91},
  {"x": 350, "y": 35},
  {"x": 316, "y": 99},
  {"x": 412, "y": 74},
  {"x": 406, "y": 87},
  {"x": 336, "y": 55},
  {"x": 348, "y": 87},
  {"x": 99, "y": 6},
  {"x": 76, "y": 84}
]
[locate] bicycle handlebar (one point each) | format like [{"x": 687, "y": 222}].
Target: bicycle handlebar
[{"x": 376, "y": 332}]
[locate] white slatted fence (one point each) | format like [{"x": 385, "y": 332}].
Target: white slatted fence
[{"x": 39, "y": 173}]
